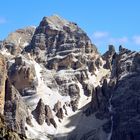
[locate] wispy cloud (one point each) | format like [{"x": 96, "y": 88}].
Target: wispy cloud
[
  {"x": 100, "y": 35},
  {"x": 136, "y": 39},
  {"x": 2, "y": 20},
  {"x": 103, "y": 39},
  {"x": 121, "y": 40}
]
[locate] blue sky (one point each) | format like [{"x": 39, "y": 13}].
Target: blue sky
[{"x": 105, "y": 21}]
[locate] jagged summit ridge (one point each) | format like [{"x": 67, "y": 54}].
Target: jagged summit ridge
[
  {"x": 69, "y": 43},
  {"x": 58, "y": 23}
]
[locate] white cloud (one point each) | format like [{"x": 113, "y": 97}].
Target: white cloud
[
  {"x": 100, "y": 35},
  {"x": 121, "y": 40},
  {"x": 2, "y": 20},
  {"x": 104, "y": 38},
  {"x": 136, "y": 39}
]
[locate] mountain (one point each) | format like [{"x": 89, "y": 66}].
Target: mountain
[{"x": 54, "y": 84}]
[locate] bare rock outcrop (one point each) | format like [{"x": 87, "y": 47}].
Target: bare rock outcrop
[
  {"x": 125, "y": 96},
  {"x": 39, "y": 112},
  {"x": 15, "y": 110},
  {"x": 7, "y": 134},
  {"x": 18, "y": 40},
  {"x": 88, "y": 89},
  {"x": 74, "y": 93},
  {"x": 49, "y": 116},
  {"x": 60, "y": 45},
  {"x": 108, "y": 57},
  {"x": 99, "y": 102},
  {"x": 22, "y": 75},
  {"x": 58, "y": 109},
  {"x": 3, "y": 74}
]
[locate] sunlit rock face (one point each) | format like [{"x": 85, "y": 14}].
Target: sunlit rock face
[
  {"x": 61, "y": 45},
  {"x": 15, "y": 110},
  {"x": 3, "y": 74},
  {"x": 22, "y": 75},
  {"x": 18, "y": 40}
]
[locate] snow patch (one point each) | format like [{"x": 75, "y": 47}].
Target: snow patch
[
  {"x": 5, "y": 52},
  {"x": 39, "y": 131},
  {"x": 50, "y": 97},
  {"x": 25, "y": 44},
  {"x": 63, "y": 130},
  {"x": 19, "y": 40}
]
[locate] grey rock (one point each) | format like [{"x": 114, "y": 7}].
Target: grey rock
[
  {"x": 125, "y": 95},
  {"x": 15, "y": 110},
  {"x": 49, "y": 116},
  {"x": 22, "y": 75},
  {"x": 74, "y": 104},
  {"x": 28, "y": 121},
  {"x": 88, "y": 88},
  {"x": 18, "y": 40},
  {"x": 59, "y": 45},
  {"x": 58, "y": 109},
  {"x": 98, "y": 104},
  {"x": 108, "y": 57},
  {"x": 74, "y": 91},
  {"x": 57, "y": 37},
  {"x": 18, "y": 61},
  {"x": 39, "y": 112}
]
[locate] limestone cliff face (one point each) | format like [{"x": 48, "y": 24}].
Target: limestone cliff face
[
  {"x": 3, "y": 74},
  {"x": 8, "y": 134},
  {"x": 59, "y": 45},
  {"x": 118, "y": 96},
  {"x": 15, "y": 110},
  {"x": 16, "y": 41},
  {"x": 53, "y": 62},
  {"x": 125, "y": 96},
  {"x": 108, "y": 57},
  {"x": 22, "y": 75}
]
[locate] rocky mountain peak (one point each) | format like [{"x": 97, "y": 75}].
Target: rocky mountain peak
[
  {"x": 55, "y": 22},
  {"x": 58, "y": 26},
  {"x": 111, "y": 49},
  {"x": 59, "y": 87},
  {"x": 60, "y": 44}
]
